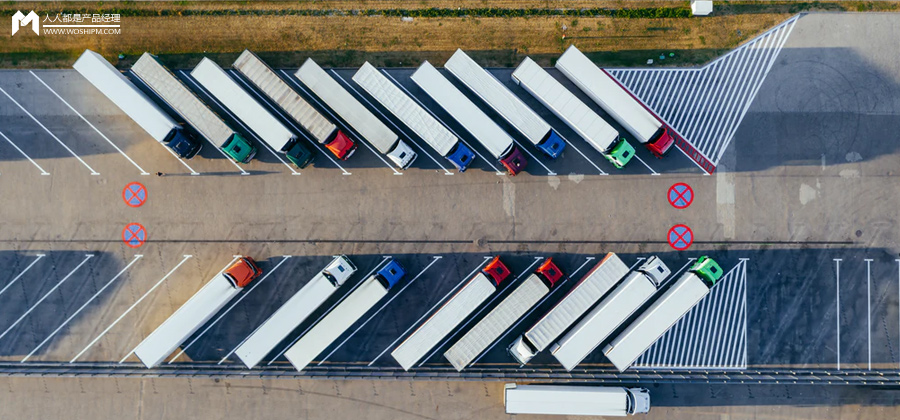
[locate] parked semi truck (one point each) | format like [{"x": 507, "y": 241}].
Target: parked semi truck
[
  {"x": 196, "y": 312},
  {"x": 414, "y": 116},
  {"x": 319, "y": 127},
  {"x": 595, "y": 284},
  {"x": 357, "y": 116},
  {"x": 663, "y": 313},
  {"x": 344, "y": 315},
  {"x": 612, "y": 311},
  {"x": 171, "y": 90},
  {"x": 504, "y": 315},
  {"x": 290, "y": 315},
  {"x": 574, "y": 400},
  {"x": 617, "y": 101},
  {"x": 506, "y": 104},
  {"x": 473, "y": 119},
  {"x": 453, "y": 312},
  {"x": 134, "y": 103},
  {"x": 565, "y": 105}
]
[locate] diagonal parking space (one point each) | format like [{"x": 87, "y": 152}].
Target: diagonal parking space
[{"x": 21, "y": 152}]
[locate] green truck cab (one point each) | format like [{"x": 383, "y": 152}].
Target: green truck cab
[
  {"x": 620, "y": 154},
  {"x": 239, "y": 149},
  {"x": 300, "y": 155},
  {"x": 707, "y": 269}
]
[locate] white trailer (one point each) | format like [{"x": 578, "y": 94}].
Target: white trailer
[
  {"x": 171, "y": 90},
  {"x": 610, "y": 313},
  {"x": 355, "y": 114},
  {"x": 503, "y": 316},
  {"x": 414, "y": 116},
  {"x": 498, "y": 143},
  {"x": 505, "y": 103},
  {"x": 616, "y": 101},
  {"x": 570, "y": 308},
  {"x": 663, "y": 313},
  {"x": 290, "y": 315},
  {"x": 448, "y": 317},
  {"x": 134, "y": 103},
  {"x": 584, "y": 121},
  {"x": 344, "y": 315},
  {"x": 575, "y": 400}
]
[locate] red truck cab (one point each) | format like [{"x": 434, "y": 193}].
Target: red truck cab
[
  {"x": 242, "y": 272},
  {"x": 341, "y": 145},
  {"x": 515, "y": 162},
  {"x": 496, "y": 270},
  {"x": 550, "y": 272},
  {"x": 661, "y": 142}
]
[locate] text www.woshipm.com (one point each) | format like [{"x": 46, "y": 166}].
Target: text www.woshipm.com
[{"x": 82, "y": 31}]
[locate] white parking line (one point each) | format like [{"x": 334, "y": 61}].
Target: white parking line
[
  {"x": 414, "y": 98},
  {"x": 837, "y": 300},
  {"x": 235, "y": 75},
  {"x": 225, "y": 312},
  {"x": 582, "y": 154},
  {"x": 336, "y": 120},
  {"x": 436, "y": 258},
  {"x": 93, "y": 172},
  {"x": 130, "y": 308},
  {"x": 43, "y": 172},
  {"x": 377, "y": 266},
  {"x": 53, "y": 289},
  {"x": 39, "y": 256},
  {"x": 483, "y": 308},
  {"x": 143, "y": 172},
  {"x": 464, "y": 280},
  {"x": 66, "y": 322},
  {"x": 384, "y": 118},
  {"x": 639, "y": 259},
  {"x": 215, "y": 146},
  {"x": 868, "y": 307}
]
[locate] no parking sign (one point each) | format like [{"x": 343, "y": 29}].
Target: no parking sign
[{"x": 680, "y": 237}]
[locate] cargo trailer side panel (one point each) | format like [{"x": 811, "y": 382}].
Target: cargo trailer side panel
[{"x": 566, "y": 400}]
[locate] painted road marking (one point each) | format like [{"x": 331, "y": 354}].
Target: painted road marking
[
  {"x": 581, "y": 153},
  {"x": 384, "y": 118},
  {"x": 225, "y": 312},
  {"x": 837, "y": 301},
  {"x": 43, "y": 172},
  {"x": 681, "y": 195},
  {"x": 134, "y": 235},
  {"x": 84, "y": 305},
  {"x": 463, "y": 281},
  {"x": 868, "y": 307},
  {"x": 86, "y": 258},
  {"x": 336, "y": 120},
  {"x": 414, "y": 98},
  {"x": 134, "y": 194},
  {"x": 384, "y": 260},
  {"x": 143, "y": 172},
  {"x": 39, "y": 256},
  {"x": 93, "y": 172},
  {"x": 483, "y": 308},
  {"x": 435, "y": 259},
  {"x": 199, "y": 88},
  {"x": 680, "y": 237},
  {"x": 130, "y": 308}
]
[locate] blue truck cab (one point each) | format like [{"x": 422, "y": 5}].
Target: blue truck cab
[
  {"x": 390, "y": 274},
  {"x": 552, "y": 145},
  {"x": 461, "y": 156},
  {"x": 184, "y": 146}
]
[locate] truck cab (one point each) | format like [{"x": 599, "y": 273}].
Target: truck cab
[
  {"x": 402, "y": 155},
  {"x": 638, "y": 401},
  {"x": 239, "y": 149},
  {"x": 496, "y": 270},
  {"x": 656, "y": 269},
  {"x": 461, "y": 156},
  {"x": 184, "y": 146},
  {"x": 552, "y": 145},
  {"x": 242, "y": 272},
  {"x": 341, "y": 145},
  {"x": 515, "y": 161},
  {"x": 661, "y": 142},
  {"x": 550, "y": 272},
  {"x": 390, "y": 274},
  {"x": 620, "y": 153},
  {"x": 708, "y": 270},
  {"x": 339, "y": 270},
  {"x": 299, "y": 155}
]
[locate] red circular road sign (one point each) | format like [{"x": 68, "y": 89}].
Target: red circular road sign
[
  {"x": 134, "y": 235},
  {"x": 681, "y": 195},
  {"x": 135, "y": 194},
  {"x": 680, "y": 237}
]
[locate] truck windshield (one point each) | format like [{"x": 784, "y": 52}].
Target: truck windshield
[{"x": 330, "y": 278}]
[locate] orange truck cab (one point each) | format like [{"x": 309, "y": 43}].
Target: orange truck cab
[
  {"x": 242, "y": 272},
  {"x": 341, "y": 145}
]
